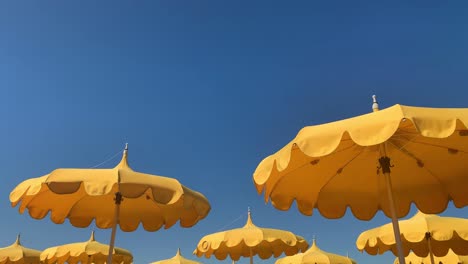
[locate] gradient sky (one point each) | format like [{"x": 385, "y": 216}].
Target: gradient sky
[{"x": 202, "y": 91}]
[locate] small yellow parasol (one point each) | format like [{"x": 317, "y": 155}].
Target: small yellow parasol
[
  {"x": 249, "y": 241},
  {"x": 314, "y": 255},
  {"x": 17, "y": 254},
  {"x": 86, "y": 252},
  {"x": 177, "y": 259},
  {"x": 110, "y": 197},
  {"x": 450, "y": 258},
  {"x": 423, "y": 234}
]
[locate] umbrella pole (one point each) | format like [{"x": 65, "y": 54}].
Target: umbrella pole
[
  {"x": 428, "y": 238},
  {"x": 251, "y": 256},
  {"x": 385, "y": 165},
  {"x": 118, "y": 200}
]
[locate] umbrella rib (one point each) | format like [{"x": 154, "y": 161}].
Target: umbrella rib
[
  {"x": 411, "y": 155},
  {"x": 307, "y": 163},
  {"x": 437, "y": 146},
  {"x": 337, "y": 173}
]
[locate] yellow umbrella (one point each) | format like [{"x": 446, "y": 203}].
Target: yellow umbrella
[
  {"x": 450, "y": 258},
  {"x": 249, "y": 241},
  {"x": 411, "y": 154},
  {"x": 17, "y": 254},
  {"x": 84, "y": 195},
  {"x": 314, "y": 255},
  {"x": 87, "y": 252},
  {"x": 177, "y": 259},
  {"x": 424, "y": 234}
]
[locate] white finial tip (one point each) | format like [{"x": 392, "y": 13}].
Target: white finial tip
[
  {"x": 126, "y": 146},
  {"x": 375, "y": 105}
]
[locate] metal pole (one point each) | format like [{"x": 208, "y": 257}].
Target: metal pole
[
  {"x": 428, "y": 238},
  {"x": 118, "y": 200},
  {"x": 385, "y": 166},
  {"x": 251, "y": 256}
]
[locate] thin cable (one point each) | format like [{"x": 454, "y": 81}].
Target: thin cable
[
  {"x": 107, "y": 160},
  {"x": 235, "y": 220}
]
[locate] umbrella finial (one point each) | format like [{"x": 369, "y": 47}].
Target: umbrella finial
[
  {"x": 91, "y": 238},
  {"x": 314, "y": 243},
  {"x": 249, "y": 218},
  {"x": 124, "y": 163},
  {"x": 18, "y": 242},
  {"x": 178, "y": 252},
  {"x": 375, "y": 105}
]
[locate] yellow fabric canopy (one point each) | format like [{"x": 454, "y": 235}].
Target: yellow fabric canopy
[
  {"x": 17, "y": 254},
  {"x": 314, "y": 255},
  {"x": 84, "y": 195},
  {"x": 249, "y": 241},
  {"x": 87, "y": 252},
  {"x": 444, "y": 232},
  {"x": 450, "y": 258},
  {"x": 177, "y": 259},
  {"x": 334, "y": 166}
]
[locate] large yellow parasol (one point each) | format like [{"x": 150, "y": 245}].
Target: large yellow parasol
[
  {"x": 177, "y": 259},
  {"x": 84, "y": 195},
  {"x": 17, "y": 254},
  {"x": 383, "y": 160},
  {"x": 424, "y": 234},
  {"x": 249, "y": 241},
  {"x": 314, "y": 255},
  {"x": 86, "y": 252},
  {"x": 450, "y": 258}
]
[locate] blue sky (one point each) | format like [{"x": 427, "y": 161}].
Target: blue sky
[{"x": 202, "y": 91}]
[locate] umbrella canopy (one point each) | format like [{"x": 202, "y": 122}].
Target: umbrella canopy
[
  {"x": 249, "y": 241},
  {"x": 443, "y": 233},
  {"x": 450, "y": 258},
  {"x": 17, "y": 254},
  {"x": 177, "y": 259},
  {"x": 84, "y": 195},
  {"x": 383, "y": 160},
  {"x": 87, "y": 252},
  {"x": 314, "y": 255}
]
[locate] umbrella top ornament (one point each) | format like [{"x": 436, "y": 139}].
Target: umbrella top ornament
[
  {"x": 342, "y": 164},
  {"x": 249, "y": 241},
  {"x": 17, "y": 254},
  {"x": 450, "y": 258},
  {"x": 314, "y": 255},
  {"x": 84, "y": 195},
  {"x": 177, "y": 259},
  {"x": 444, "y": 233},
  {"x": 89, "y": 252}
]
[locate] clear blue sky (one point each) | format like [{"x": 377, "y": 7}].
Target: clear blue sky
[{"x": 202, "y": 91}]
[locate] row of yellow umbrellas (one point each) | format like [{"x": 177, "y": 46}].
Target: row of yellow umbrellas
[
  {"x": 89, "y": 251},
  {"x": 350, "y": 163}
]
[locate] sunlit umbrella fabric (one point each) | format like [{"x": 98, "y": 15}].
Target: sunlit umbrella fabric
[
  {"x": 445, "y": 233},
  {"x": 385, "y": 160},
  {"x": 87, "y": 252},
  {"x": 450, "y": 258},
  {"x": 84, "y": 195},
  {"x": 335, "y": 166},
  {"x": 248, "y": 241},
  {"x": 314, "y": 255},
  {"x": 177, "y": 259},
  {"x": 111, "y": 197},
  {"x": 17, "y": 254}
]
